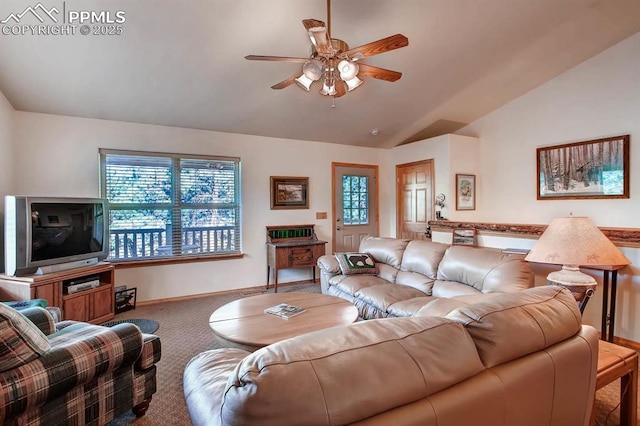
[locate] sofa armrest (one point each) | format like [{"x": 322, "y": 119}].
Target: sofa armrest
[
  {"x": 329, "y": 267},
  {"x": 329, "y": 263},
  {"x": 151, "y": 351},
  {"x": 205, "y": 383},
  {"x": 79, "y": 353},
  {"x": 41, "y": 318}
]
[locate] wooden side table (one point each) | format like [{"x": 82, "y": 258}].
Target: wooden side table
[{"x": 618, "y": 362}]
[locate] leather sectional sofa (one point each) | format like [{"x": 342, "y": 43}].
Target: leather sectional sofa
[
  {"x": 518, "y": 358},
  {"x": 422, "y": 278}
]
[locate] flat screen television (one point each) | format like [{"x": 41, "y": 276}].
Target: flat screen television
[{"x": 45, "y": 234}]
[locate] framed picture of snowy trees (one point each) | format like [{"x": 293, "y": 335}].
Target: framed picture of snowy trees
[{"x": 591, "y": 169}]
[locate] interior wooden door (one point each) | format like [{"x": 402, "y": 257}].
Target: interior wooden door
[
  {"x": 415, "y": 202},
  {"x": 355, "y": 205}
]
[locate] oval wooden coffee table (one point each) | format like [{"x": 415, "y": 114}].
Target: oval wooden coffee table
[{"x": 243, "y": 323}]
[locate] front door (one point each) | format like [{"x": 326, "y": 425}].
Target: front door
[
  {"x": 414, "y": 189},
  {"x": 355, "y": 212}
]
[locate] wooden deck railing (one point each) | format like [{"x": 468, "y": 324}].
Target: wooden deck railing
[{"x": 157, "y": 242}]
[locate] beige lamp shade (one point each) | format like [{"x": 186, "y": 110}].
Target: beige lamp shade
[{"x": 576, "y": 241}]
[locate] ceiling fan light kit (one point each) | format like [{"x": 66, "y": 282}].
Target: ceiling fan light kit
[{"x": 334, "y": 63}]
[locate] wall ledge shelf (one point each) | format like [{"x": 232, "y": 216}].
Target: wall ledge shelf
[{"x": 622, "y": 237}]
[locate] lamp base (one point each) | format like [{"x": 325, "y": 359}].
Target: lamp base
[{"x": 581, "y": 285}]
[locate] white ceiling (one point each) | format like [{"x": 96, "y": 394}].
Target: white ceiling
[{"x": 181, "y": 63}]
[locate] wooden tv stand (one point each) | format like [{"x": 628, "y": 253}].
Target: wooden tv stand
[{"x": 95, "y": 305}]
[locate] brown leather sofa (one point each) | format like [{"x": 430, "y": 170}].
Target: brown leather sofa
[
  {"x": 423, "y": 276},
  {"x": 515, "y": 359}
]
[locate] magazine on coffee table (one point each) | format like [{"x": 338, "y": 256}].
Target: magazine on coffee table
[{"x": 284, "y": 310}]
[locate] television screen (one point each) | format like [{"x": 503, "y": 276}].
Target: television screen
[{"x": 60, "y": 230}]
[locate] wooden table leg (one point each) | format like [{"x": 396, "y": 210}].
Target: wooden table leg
[
  {"x": 268, "y": 276},
  {"x": 629, "y": 395}
]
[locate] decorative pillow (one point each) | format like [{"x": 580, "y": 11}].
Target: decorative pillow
[
  {"x": 356, "y": 263},
  {"x": 20, "y": 340}
]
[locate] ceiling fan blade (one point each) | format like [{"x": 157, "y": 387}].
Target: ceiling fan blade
[
  {"x": 380, "y": 46},
  {"x": 379, "y": 73},
  {"x": 275, "y": 58},
  {"x": 340, "y": 89},
  {"x": 319, "y": 36},
  {"x": 285, "y": 83}
]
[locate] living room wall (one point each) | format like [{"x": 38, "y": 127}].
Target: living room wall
[
  {"x": 61, "y": 158},
  {"x": 7, "y": 136},
  {"x": 599, "y": 98}
]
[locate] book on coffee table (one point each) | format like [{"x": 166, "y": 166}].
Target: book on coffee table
[{"x": 284, "y": 310}]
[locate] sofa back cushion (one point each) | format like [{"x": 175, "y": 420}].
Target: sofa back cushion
[
  {"x": 423, "y": 257},
  {"x": 511, "y": 325},
  {"x": 345, "y": 374},
  {"x": 384, "y": 250},
  {"x": 486, "y": 269},
  {"x": 20, "y": 340}
]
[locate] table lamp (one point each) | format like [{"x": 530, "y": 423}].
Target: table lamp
[{"x": 573, "y": 242}]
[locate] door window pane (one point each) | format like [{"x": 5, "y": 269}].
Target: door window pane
[{"x": 355, "y": 206}]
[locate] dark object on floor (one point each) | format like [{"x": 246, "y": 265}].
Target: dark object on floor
[
  {"x": 146, "y": 325},
  {"x": 125, "y": 299}
]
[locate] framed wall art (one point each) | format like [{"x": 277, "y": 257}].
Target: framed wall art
[
  {"x": 464, "y": 237},
  {"x": 591, "y": 169},
  {"x": 465, "y": 192},
  {"x": 289, "y": 192}
]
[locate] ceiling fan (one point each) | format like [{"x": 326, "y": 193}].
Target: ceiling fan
[{"x": 334, "y": 63}]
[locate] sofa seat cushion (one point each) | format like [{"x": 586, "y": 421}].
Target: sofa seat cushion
[
  {"x": 409, "y": 307},
  {"x": 545, "y": 315},
  {"x": 351, "y": 284},
  {"x": 384, "y": 295},
  {"x": 368, "y": 368},
  {"x": 415, "y": 280},
  {"x": 442, "y": 288}
]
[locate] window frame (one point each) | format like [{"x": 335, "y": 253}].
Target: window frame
[{"x": 177, "y": 206}]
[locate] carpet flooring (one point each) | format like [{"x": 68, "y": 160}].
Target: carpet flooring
[{"x": 184, "y": 332}]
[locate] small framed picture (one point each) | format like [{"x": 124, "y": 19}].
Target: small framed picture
[
  {"x": 464, "y": 237},
  {"x": 289, "y": 192},
  {"x": 465, "y": 192}
]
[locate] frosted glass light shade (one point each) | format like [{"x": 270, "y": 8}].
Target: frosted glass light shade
[
  {"x": 313, "y": 70},
  {"x": 348, "y": 69},
  {"x": 353, "y": 83},
  {"x": 304, "y": 82},
  {"x": 328, "y": 88}
]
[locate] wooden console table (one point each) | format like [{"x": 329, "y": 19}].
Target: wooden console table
[{"x": 292, "y": 246}]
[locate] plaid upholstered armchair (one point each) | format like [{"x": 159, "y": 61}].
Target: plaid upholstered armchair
[{"x": 71, "y": 372}]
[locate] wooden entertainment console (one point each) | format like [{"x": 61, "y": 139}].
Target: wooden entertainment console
[{"x": 95, "y": 305}]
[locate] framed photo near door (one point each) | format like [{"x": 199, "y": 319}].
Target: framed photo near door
[
  {"x": 465, "y": 192},
  {"x": 289, "y": 192}
]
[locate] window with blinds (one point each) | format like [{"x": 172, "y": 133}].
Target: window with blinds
[{"x": 170, "y": 205}]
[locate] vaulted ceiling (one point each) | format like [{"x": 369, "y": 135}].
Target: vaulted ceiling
[{"x": 181, "y": 63}]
